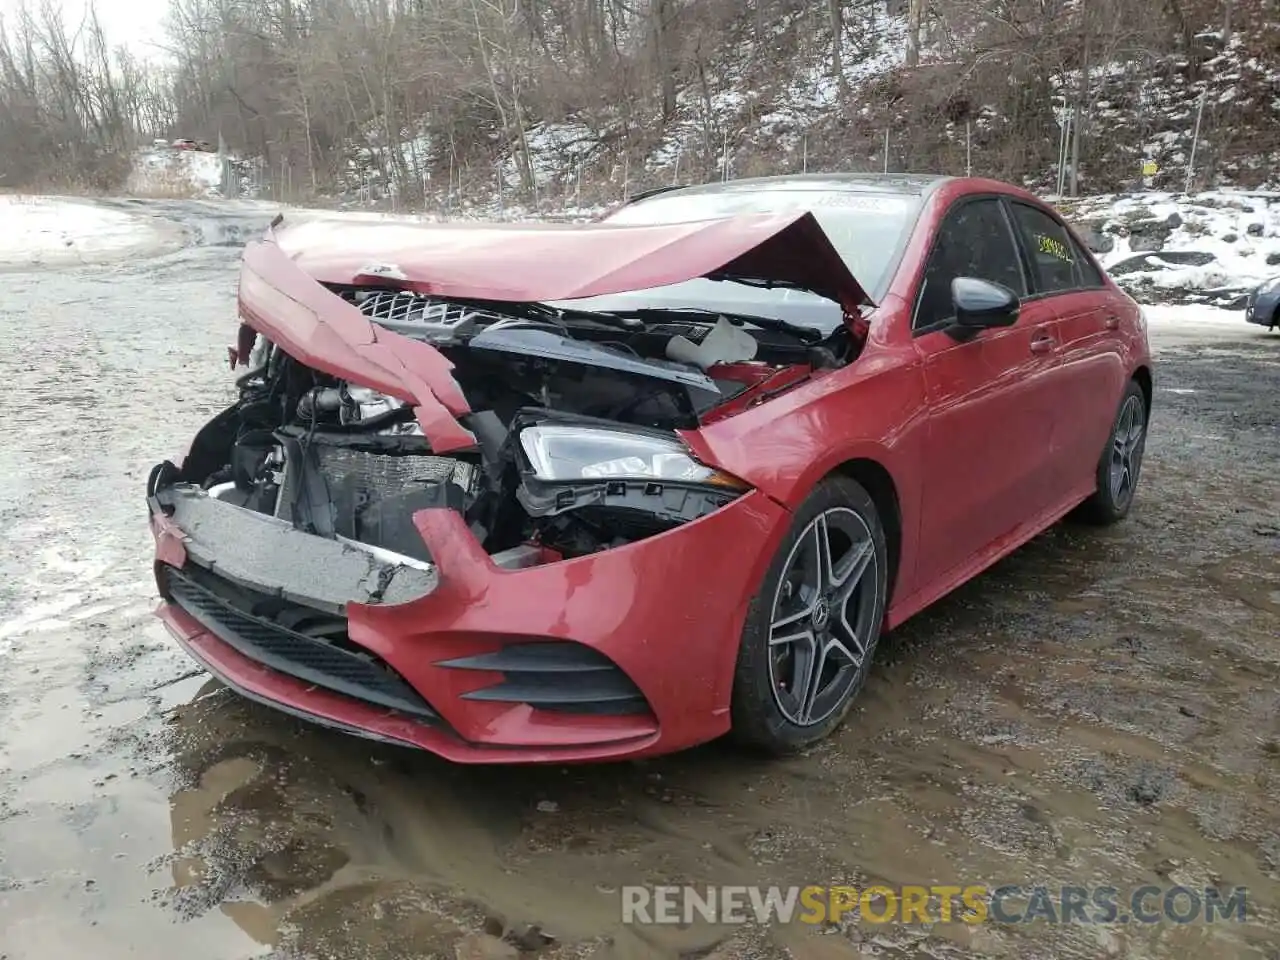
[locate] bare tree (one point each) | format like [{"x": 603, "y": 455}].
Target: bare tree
[
  {"x": 660, "y": 16},
  {"x": 416, "y": 101},
  {"x": 837, "y": 45},
  {"x": 915, "y": 21}
]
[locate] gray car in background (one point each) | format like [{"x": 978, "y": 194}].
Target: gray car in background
[{"x": 1263, "y": 305}]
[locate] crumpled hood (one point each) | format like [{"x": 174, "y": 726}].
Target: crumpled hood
[
  {"x": 539, "y": 262},
  {"x": 280, "y": 297}
]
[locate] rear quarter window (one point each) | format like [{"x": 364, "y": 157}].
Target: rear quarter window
[{"x": 1090, "y": 275}]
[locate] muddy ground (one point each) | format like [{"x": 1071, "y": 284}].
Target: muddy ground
[{"x": 1101, "y": 708}]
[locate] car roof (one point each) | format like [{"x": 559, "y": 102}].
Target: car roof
[{"x": 906, "y": 184}]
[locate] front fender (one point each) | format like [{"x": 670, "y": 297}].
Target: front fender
[{"x": 874, "y": 410}]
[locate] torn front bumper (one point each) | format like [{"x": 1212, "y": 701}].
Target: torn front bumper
[
  {"x": 263, "y": 553},
  {"x": 514, "y": 657}
]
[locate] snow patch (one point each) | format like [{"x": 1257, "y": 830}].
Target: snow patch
[
  {"x": 814, "y": 91},
  {"x": 1180, "y": 315},
  {"x": 38, "y": 231}
]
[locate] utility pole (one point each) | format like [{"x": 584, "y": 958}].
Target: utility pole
[
  {"x": 1081, "y": 97},
  {"x": 1195, "y": 140}
]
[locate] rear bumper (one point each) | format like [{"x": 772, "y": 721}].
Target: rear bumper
[{"x": 663, "y": 614}]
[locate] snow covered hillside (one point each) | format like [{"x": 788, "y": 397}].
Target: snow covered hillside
[
  {"x": 762, "y": 97},
  {"x": 1205, "y": 248}
]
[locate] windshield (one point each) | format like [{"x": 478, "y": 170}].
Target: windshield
[{"x": 867, "y": 229}]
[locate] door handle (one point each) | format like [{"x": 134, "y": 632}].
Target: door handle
[
  {"x": 1042, "y": 344},
  {"x": 1112, "y": 322}
]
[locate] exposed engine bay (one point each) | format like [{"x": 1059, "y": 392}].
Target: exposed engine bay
[
  {"x": 574, "y": 417},
  {"x": 665, "y": 369}
]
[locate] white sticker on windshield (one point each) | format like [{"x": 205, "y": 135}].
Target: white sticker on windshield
[{"x": 849, "y": 200}]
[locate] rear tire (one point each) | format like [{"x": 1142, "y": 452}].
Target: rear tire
[
  {"x": 1120, "y": 465},
  {"x": 811, "y": 630}
]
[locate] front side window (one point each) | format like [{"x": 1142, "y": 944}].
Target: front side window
[
  {"x": 973, "y": 241},
  {"x": 1051, "y": 249}
]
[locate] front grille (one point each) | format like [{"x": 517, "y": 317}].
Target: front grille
[
  {"x": 555, "y": 675},
  {"x": 416, "y": 313},
  {"x": 377, "y": 476},
  {"x": 291, "y": 638}
]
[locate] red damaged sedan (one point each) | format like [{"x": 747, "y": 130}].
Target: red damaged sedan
[{"x": 570, "y": 492}]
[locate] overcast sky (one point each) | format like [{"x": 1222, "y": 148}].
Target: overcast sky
[{"x": 137, "y": 24}]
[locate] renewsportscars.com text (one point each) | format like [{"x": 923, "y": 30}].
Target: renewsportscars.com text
[{"x": 977, "y": 903}]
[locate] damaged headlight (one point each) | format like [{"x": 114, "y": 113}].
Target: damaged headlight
[{"x": 568, "y": 453}]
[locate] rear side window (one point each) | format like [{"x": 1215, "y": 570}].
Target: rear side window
[
  {"x": 973, "y": 241},
  {"x": 1052, "y": 250},
  {"x": 1090, "y": 275}
]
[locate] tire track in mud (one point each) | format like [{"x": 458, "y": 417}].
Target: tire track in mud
[{"x": 1101, "y": 707}]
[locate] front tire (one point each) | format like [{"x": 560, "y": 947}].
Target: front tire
[
  {"x": 1121, "y": 462},
  {"x": 811, "y": 630}
]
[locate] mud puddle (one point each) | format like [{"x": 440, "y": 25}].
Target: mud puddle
[{"x": 1101, "y": 708}]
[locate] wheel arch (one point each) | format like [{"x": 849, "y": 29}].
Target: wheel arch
[
  {"x": 1143, "y": 375},
  {"x": 880, "y": 485}
]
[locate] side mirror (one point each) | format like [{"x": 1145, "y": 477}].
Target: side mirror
[{"x": 980, "y": 304}]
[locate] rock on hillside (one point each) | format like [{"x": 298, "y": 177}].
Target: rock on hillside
[{"x": 1165, "y": 248}]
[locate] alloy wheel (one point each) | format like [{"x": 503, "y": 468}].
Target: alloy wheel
[
  {"x": 1126, "y": 450},
  {"x": 822, "y": 616}
]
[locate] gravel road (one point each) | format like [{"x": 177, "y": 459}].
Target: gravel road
[{"x": 1100, "y": 708}]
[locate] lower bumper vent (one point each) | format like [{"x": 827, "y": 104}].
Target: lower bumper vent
[
  {"x": 556, "y": 675},
  {"x": 292, "y": 639}
]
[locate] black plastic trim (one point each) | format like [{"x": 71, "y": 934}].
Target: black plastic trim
[
  {"x": 299, "y": 714},
  {"x": 557, "y": 675},
  {"x": 359, "y": 675}
]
